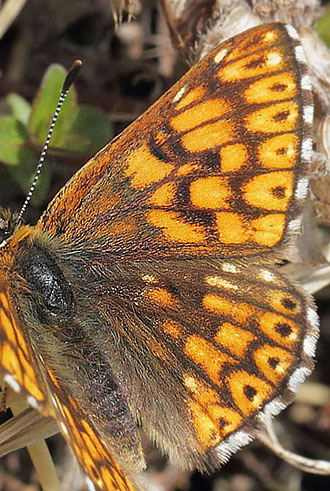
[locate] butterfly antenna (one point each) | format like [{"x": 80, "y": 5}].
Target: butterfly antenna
[{"x": 69, "y": 79}]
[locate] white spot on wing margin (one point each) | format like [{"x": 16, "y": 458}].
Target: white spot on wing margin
[
  {"x": 32, "y": 401},
  {"x": 179, "y": 94},
  {"x": 236, "y": 441},
  {"x": 306, "y": 83},
  {"x": 302, "y": 188},
  {"x": 306, "y": 149},
  {"x": 298, "y": 377},
  {"x": 308, "y": 113},
  {"x": 300, "y": 54},
  {"x": 12, "y": 382},
  {"x": 313, "y": 318},
  {"x": 310, "y": 345},
  {"x": 291, "y": 31}
]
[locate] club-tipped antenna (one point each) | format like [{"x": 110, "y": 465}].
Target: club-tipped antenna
[{"x": 69, "y": 79}]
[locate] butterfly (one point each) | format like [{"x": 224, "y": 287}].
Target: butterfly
[{"x": 148, "y": 292}]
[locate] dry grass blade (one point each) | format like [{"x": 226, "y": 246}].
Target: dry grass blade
[
  {"x": 28, "y": 428},
  {"x": 8, "y": 14}
]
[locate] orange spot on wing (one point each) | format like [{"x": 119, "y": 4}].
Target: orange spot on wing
[
  {"x": 273, "y": 362},
  {"x": 211, "y": 420},
  {"x": 272, "y": 191},
  {"x": 239, "y": 311},
  {"x": 144, "y": 168},
  {"x": 186, "y": 169},
  {"x": 231, "y": 228},
  {"x": 228, "y": 419},
  {"x": 234, "y": 338},
  {"x": 174, "y": 329},
  {"x": 274, "y": 118},
  {"x": 10, "y": 362},
  {"x": 209, "y": 136},
  {"x": 257, "y": 41},
  {"x": 233, "y": 157},
  {"x": 162, "y": 297},
  {"x": 208, "y": 357},
  {"x": 280, "y": 329},
  {"x": 192, "y": 96},
  {"x": 275, "y": 88},
  {"x": 284, "y": 303},
  {"x": 248, "y": 391},
  {"x": 13, "y": 333},
  {"x": 210, "y": 192},
  {"x": 102, "y": 468},
  {"x": 14, "y": 352},
  {"x": 259, "y": 63},
  {"x": 268, "y": 230},
  {"x": 175, "y": 228},
  {"x": 4, "y": 303},
  {"x": 107, "y": 476},
  {"x": 206, "y": 430},
  {"x": 201, "y": 113},
  {"x": 279, "y": 151},
  {"x": 202, "y": 392},
  {"x": 86, "y": 457},
  {"x": 164, "y": 195}
]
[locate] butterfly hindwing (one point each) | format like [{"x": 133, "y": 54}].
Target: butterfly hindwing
[{"x": 220, "y": 342}]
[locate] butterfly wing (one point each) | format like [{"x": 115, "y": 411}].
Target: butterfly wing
[
  {"x": 216, "y": 167},
  {"x": 222, "y": 343},
  {"x": 97, "y": 460},
  {"x": 25, "y": 371},
  {"x": 17, "y": 359}
]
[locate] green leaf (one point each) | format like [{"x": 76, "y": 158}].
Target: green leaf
[
  {"x": 20, "y": 108},
  {"x": 323, "y": 27},
  {"x": 94, "y": 124},
  {"x": 24, "y": 174},
  {"x": 44, "y": 105},
  {"x": 13, "y": 139}
]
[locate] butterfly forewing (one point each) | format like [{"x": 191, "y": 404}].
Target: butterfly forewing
[{"x": 212, "y": 169}]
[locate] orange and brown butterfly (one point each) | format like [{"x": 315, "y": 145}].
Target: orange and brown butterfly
[{"x": 148, "y": 292}]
